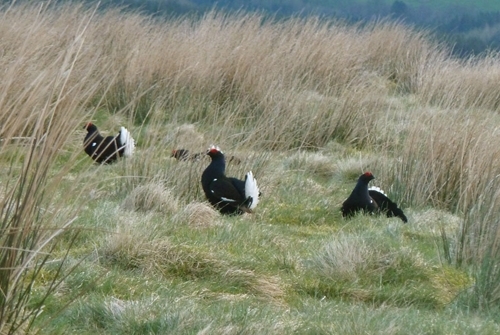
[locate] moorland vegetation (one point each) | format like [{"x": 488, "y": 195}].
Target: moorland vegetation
[{"x": 308, "y": 105}]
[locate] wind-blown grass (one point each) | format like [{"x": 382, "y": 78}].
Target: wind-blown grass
[{"x": 307, "y": 105}]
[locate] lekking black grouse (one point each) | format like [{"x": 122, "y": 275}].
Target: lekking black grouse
[
  {"x": 186, "y": 155},
  {"x": 370, "y": 200},
  {"x": 229, "y": 195},
  {"x": 106, "y": 150}
]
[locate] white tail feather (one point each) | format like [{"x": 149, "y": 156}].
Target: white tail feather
[
  {"x": 378, "y": 189},
  {"x": 127, "y": 141},
  {"x": 251, "y": 189}
]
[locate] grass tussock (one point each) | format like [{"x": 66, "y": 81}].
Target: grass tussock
[
  {"x": 186, "y": 136},
  {"x": 151, "y": 197},
  {"x": 344, "y": 258},
  {"x": 265, "y": 287},
  {"x": 198, "y": 215},
  {"x": 364, "y": 269},
  {"x": 138, "y": 244}
]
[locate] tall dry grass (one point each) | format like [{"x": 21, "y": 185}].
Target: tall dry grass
[
  {"x": 449, "y": 158},
  {"x": 49, "y": 78},
  {"x": 295, "y": 83}
]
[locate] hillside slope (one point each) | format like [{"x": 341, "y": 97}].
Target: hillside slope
[{"x": 307, "y": 105}]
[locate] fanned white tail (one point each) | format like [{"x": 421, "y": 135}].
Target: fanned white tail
[
  {"x": 378, "y": 189},
  {"x": 127, "y": 141},
  {"x": 251, "y": 189}
]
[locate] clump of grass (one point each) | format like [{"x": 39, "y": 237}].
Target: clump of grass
[
  {"x": 435, "y": 174},
  {"x": 371, "y": 270},
  {"x": 345, "y": 259},
  {"x": 266, "y": 287},
  {"x": 351, "y": 167},
  {"x": 133, "y": 252},
  {"x": 198, "y": 215},
  {"x": 152, "y": 196},
  {"x": 186, "y": 136},
  {"x": 475, "y": 244},
  {"x": 141, "y": 242}
]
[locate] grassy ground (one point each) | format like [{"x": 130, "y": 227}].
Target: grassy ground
[{"x": 133, "y": 248}]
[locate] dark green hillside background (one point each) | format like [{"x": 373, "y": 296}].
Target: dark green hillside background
[{"x": 467, "y": 27}]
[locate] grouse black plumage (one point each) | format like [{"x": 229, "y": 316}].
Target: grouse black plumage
[
  {"x": 106, "y": 150},
  {"x": 186, "y": 155},
  {"x": 229, "y": 195},
  {"x": 370, "y": 200}
]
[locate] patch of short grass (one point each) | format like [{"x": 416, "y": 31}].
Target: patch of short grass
[{"x": 379, "y": 270}]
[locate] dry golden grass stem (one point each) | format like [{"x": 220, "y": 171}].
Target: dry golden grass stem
[{"x": 42, "y": 98}]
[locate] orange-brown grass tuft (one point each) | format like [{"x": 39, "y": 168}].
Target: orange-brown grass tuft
[
  {"x": 266, "y": 287},
  {"x": 198, "y": 215}
]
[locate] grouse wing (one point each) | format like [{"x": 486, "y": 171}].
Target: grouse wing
[{"x": 387, "y": 205}]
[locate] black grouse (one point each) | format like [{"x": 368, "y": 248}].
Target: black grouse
[
  {"x": 229, "y": 195},
  {"x": 106, "y": 150},
  {"x": 186, "y": 155},
  {"x": 370, "y": 200}
]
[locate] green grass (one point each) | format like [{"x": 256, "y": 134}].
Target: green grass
[{"x": 151, "y": 271}]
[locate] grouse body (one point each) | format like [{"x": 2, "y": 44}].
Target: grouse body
[
  {"x": 229, "y": 195},
  {"x": 186, "y": 155},
  {"x": 106, "y": 150},
  {"x": 370, "y": 200}
]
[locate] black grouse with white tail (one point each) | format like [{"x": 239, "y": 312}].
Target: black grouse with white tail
[
  {"x": 106, "y": 150},
  {"x": 228, "y": 195},
  {"x": 370, "y": 200}
]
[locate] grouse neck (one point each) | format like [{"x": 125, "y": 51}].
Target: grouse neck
[
  {"x": 361, "y": 188},
  {"x": 91, "y": 128},
  {"x": 92, "y": 133},
  {"x": 218, "y": 165}
]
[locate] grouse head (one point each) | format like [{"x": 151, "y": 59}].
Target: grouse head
[
  {"x": 366, "y": 177},
  {"x": 180, "y": 154},
  {"x": 90, "y": 127},
  {"x": 215, "y": 152}
]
